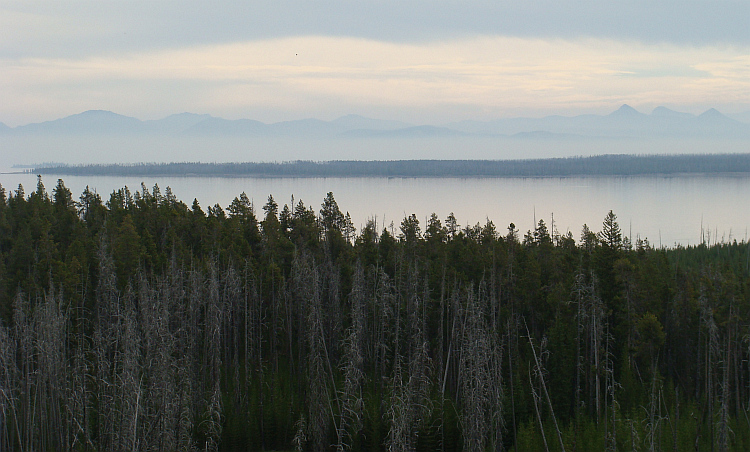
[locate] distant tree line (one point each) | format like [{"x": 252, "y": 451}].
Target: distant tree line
[
  {"x": 603, "y": 165},
  {"x": 144, "y": 323}
]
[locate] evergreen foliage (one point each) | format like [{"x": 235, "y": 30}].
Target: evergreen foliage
[{"x": 143, "y": 323}]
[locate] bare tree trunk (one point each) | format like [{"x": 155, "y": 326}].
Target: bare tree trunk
[
  {"x": 723, "y": 431},
  {"x": 211, "y": 424},
  {"x": 610, "y": 386},
  {"x": 51, "y": 337},
  {"x": 410, "y": 403},
  {"x": 535, "y": 396},
  {"x": 539, "y": 371},
  {"x": 654, "y": 418},
  {"x": 352, "y": 403},
  {"x": 306, "y": 285},
  {"x": 10, "y": 427},
  {"x": 475, "y": 376}
]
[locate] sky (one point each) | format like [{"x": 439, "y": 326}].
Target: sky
[{"x": 418, "y": 61}]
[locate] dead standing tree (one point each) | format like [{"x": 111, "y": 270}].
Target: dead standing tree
[
  {"x": 116, "y": 351},
  {"x": 306, "y": 286},
  {"x": 9, "y": 422},
  {"x": 33, "y": 377},
  {"x": 211, "y": 425},
  {"x": 410, "y": 403},
  {"x": 717, "y": 359},
  {"x": 590, "y": 344},
  {"x": 475, "y": 375},
  {"x": 159, "y": 384},
  {"x": 23, "y": 331},
  {"x": 352, "y": 403},
  {"x": 51, "y": 325},
  {"x": 184, "y": 333},
  {"x": 539, "y": 372}
]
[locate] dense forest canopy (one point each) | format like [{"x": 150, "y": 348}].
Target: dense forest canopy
[
  {"x": 604, "y": 165},
  {"x": 141, "y": 322}
]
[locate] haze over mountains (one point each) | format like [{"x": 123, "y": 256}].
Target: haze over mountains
[
  {"x": 624, "y": 122},
  {"x": 104, "y": 136}
]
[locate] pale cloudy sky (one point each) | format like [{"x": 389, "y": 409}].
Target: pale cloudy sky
[{"x": 415, "y": 60}]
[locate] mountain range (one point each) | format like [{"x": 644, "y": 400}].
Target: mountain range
[
  {"x": 625, "y": 122},
  {"x": 622, "y": 123}
]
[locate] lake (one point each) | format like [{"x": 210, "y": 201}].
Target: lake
[{"x": 666, "y": 210}]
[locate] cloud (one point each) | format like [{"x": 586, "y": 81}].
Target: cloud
[
  {"x": 78, "y": 28},
  {"x": 277, "y": 79}
]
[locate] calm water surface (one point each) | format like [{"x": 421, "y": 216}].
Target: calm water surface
[{"x": 664, "y": 209}]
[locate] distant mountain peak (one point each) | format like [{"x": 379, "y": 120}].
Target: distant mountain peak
[
  {"x": 718, "y": 119},
  {"x": 626, "y": 110},
  {"x": 98, "y": 116},
  {"x": 98, "y": 113},
  {"x": 712, "y": 113}
]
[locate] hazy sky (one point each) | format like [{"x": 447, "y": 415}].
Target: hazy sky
[{"x": 420, "y": 61}]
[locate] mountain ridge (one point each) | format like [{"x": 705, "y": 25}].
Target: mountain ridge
[{"x": 626, "y": 121}]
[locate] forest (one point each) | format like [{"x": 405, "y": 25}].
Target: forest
[
  {"x": 598, "y": 165},
  {"x": 140, "y": 322}
]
